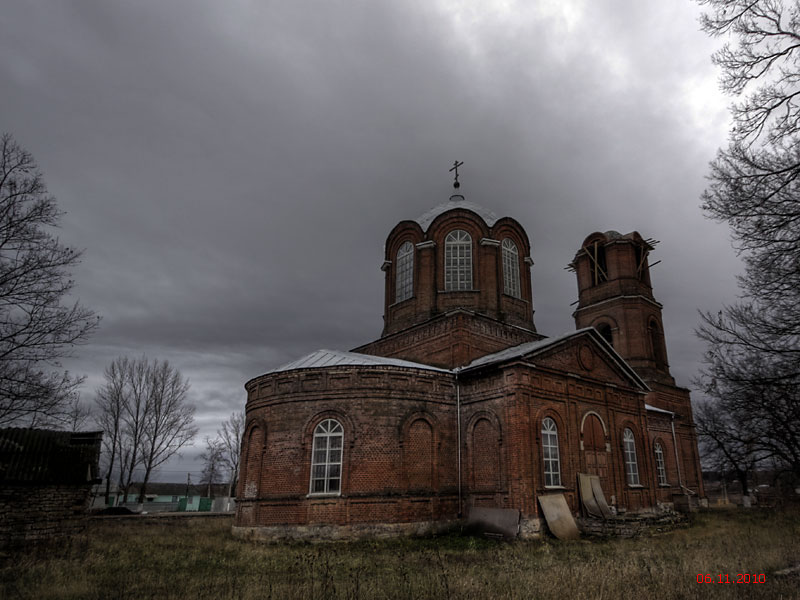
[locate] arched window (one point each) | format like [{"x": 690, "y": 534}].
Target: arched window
[
  {"x": 552, "y": 465},
  {"x": 510, "y": 269},
  {"x": 604, "y": 329},
  {"x": 631, "y": 466},
  {"x": 326, "y": 458},
  {"x": 660, "y": 469},
  {"x": 458, "y": 261},
  {"x": 404, "y": 288}
]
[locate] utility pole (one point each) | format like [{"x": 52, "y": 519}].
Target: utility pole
[{"x": 188, "y": 482}]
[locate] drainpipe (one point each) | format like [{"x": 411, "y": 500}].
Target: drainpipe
[
  {"x": 458, "y": 439},
  {"x": 675, "y": 448}
]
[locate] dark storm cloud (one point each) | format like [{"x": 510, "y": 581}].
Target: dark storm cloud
[{"x": 232, "y": 169}]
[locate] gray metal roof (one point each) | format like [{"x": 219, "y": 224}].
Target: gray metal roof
[
  {"x": 660, "y": 410},
  {"x": 456, "y": 201},
  {"x": 335, "y": 358}
]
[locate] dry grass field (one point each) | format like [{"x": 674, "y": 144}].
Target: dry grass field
[{"x": 199, "y": 559}]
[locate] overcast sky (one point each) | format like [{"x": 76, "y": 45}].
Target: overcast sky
[{"x": 232, "y": 168}]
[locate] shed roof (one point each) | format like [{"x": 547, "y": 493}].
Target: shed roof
[{"x": 45, "y": 456}]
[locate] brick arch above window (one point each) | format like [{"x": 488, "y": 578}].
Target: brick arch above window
[
  {"x": 347, "y": 423},
  {"x": 606, "y": 326},
  {"x": 489, "y": 416},
  {"x": 552, "y": 413},
  {"x": 416, "y": 415}
]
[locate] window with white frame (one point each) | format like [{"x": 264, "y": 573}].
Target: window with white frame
[
  {"x": 458, "y": 261},
  {"x": 326, "y": 458},
  {"x": 552, "y": 465},
  {"x": 631, "y": 467},
  {"x": 660, "y": 468},
  {"x": 511, "y": 269},
  {"x": 404, "y": 265}
]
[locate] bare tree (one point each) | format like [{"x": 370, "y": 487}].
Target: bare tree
[
  {"x": 231, "y": 437},
  {"x": 213, "y": 462},
  {"x": 143, "y": 410},
  {"x": 752, "y": 368},
  {"x": 36, "y": 330},
  {"x": 169, "y": 419},
  {"x": 725, "y": 446},
  {"x": 137, "y": 382}
]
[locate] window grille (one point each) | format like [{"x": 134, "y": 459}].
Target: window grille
[
  {"x": 660, "y": 468},
  {"x": 404, "y": 288},
  {"x": 458, "y": 261},
  {"x": 511, "y": 269},
  {"x": 631, "y": 467},
  {"x": 326, "y": 458},
  {"x": 552, "y": 465}
]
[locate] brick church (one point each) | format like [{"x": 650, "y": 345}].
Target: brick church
[{"x": 461, "y": 403}]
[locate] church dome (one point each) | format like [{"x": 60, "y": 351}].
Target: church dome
[{"x": 456, "y": 201}]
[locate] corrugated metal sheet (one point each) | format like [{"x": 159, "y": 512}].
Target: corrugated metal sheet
[{"x": 44, "y": 456}]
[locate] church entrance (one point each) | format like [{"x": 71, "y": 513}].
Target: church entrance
[{"x": 594, "y": 449}]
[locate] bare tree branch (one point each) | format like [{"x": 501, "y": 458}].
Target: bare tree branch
[{"x": 36, "y": 329}]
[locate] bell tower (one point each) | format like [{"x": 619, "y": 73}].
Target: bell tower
[{"x": 616, "y": 298}]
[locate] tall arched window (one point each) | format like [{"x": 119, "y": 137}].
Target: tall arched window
[
  {"x": 552, "y": 464},
  {"x": 660, "y": 468},
  {"x": 510, "y": 269},
  {"x": 631, "y": 466},
  {"x": 404, "y": 288},
  {"x": 326, "y": 458},
  {"x": 458, "y": 261}
]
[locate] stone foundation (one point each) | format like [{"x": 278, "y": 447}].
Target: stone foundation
[{"x": 632, "y": 525}]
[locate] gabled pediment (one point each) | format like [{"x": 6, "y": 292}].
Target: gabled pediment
[{"x": 583, "y": 352}]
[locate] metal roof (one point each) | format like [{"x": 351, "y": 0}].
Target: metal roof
[
  {"x": 335, "y": 358},
  {"x": 660, "y": 410},
  {"x": 456, "y": 201}
]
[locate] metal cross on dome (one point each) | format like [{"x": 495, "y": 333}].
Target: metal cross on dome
[{"x": 456, "y": 164}]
